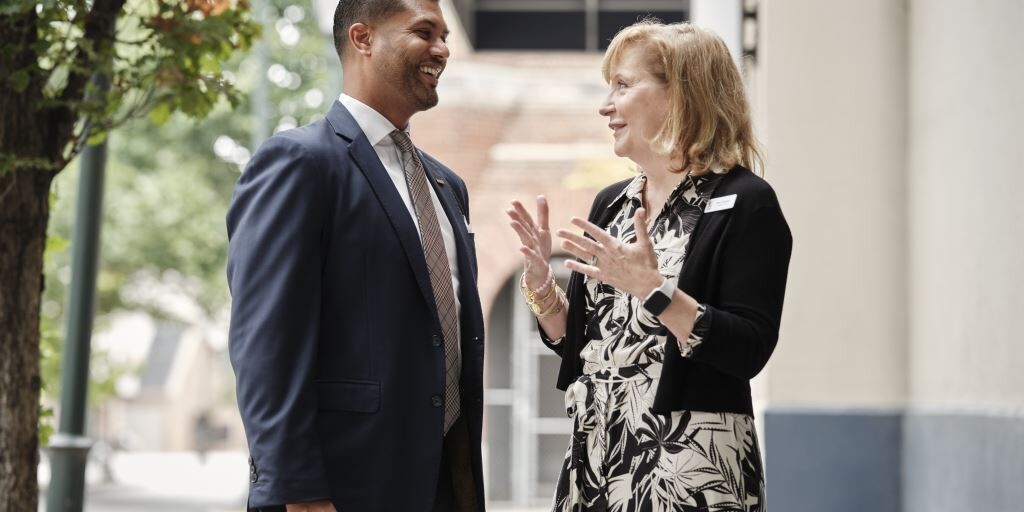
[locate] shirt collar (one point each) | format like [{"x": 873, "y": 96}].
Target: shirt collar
[
  {"x": 376, "y": 127},
  {"x": 634, "y": 190}
]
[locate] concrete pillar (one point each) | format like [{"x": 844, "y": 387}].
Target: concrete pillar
[
  {"x": 725, "y": 18},
  {"x": 831, "y": 94},
  {"x": 964, "y": 432}
]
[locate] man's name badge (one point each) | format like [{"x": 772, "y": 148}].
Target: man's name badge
[{"x": 720, "y": 203}]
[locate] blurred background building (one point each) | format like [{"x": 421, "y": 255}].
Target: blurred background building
[{"x": 890, "y": 130}]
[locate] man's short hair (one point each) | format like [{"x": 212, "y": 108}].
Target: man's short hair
[{"x": 350, "y": 12}]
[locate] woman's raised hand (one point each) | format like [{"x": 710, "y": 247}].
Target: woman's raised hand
[
  {"x": 630, "y": 267},
  {"x": 536, "y": 240}
]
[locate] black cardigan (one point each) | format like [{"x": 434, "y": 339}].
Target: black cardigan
[{"x": 736, "y": 264}]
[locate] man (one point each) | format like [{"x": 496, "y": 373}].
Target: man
[{"x": 356, "y": 332}]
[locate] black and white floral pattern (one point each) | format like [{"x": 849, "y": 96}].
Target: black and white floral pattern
[{"x": 622, "y": 457}]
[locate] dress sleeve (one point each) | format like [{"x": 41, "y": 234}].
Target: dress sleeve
[{"x": 701, "y": 327}]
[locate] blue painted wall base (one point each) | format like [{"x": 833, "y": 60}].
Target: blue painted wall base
[
  {"x": 820, "y": 460},
  {"x": 825, "y": 461}
]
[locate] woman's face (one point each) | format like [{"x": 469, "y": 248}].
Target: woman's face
[{"x": 636, "y": 106}]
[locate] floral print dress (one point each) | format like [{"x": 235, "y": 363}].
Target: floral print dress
[{"x": 622, "y": 457}]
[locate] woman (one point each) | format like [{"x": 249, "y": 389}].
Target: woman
[{"x": 675, "y": 299}]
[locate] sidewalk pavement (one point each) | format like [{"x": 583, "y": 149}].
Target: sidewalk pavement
[{"x": 172, "y": 482}]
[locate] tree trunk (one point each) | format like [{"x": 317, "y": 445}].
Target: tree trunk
[
  {"x": 35, "y": 137},
  {"x": 24, "y": 210}
]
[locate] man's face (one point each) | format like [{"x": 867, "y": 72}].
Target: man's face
[{"x": 409, "y": 54}]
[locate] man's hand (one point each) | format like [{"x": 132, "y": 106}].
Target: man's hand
[{"x": 313, "y": 506}]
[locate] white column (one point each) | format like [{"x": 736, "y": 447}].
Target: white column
[
  {"x": 967, "y": 216},
  {"x": 725, "y": 18},
  {"x": 832, "y": 75}
]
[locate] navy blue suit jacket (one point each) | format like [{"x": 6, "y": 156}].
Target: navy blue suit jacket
[{"x": 333, "y": 325}]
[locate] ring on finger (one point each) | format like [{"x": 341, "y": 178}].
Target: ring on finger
[{"x": 593, "y": 260}]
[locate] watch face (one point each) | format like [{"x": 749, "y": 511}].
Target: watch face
[{"x": 657, "y": 302}]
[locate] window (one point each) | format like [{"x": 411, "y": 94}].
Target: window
[
  {"x": 584, "y": 25},
  {"x": 526, "y": 429}
]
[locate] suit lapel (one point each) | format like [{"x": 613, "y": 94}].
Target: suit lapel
[
  {"x": 452, "y": 209},
  {"x": 366, "y": 159}
]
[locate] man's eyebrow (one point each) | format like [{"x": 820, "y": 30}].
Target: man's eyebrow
[{"x": 433, "y": 24}]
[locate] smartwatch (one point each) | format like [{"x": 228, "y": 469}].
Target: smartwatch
[{"x": 659, "y": 299}]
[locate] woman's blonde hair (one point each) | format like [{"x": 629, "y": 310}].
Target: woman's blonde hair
[{"x": 708, "y": 122}]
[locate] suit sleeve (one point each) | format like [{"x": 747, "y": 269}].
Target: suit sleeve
[
  {"x": 275, "y": 223},
  {"x": 738, "y": 332}
]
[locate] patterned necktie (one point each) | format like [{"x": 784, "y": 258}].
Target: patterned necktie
[{"x": 440, "y": 273}]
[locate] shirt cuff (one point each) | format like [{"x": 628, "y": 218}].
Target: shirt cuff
[
  {"x": 701, "y": 327},
  {"x": 544, "y": 337}
]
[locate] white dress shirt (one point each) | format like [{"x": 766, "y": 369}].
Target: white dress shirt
[{"x": 378, "y": 131}]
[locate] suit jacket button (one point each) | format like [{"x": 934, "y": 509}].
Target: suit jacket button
[
  {"x": 436, "y": 341},
  {"x": 436, "y": 401}
]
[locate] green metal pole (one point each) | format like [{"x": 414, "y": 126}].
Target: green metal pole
[{"x": 69, "y": 447}]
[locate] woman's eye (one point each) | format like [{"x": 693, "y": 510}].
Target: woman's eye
[
  {"x": 425, "y": 34},
  {"x": 622, "y": 85}
]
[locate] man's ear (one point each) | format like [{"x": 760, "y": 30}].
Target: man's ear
[{"x": 360, "y": 37}]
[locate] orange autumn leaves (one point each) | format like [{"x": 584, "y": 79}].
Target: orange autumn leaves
[
  {"x": 205, "y": 8},
  {"x": 212, "y": 7}
]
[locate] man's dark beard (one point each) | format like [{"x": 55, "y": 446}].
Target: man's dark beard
[
  {"x": 406, "y": 77},
  {"x": 413, "y": 86}
]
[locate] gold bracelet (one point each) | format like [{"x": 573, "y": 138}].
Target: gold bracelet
[
  {"x": 532, "y": 297},
  {"x": 556, "y": 307},
  {"x": 537, "y": 303}
]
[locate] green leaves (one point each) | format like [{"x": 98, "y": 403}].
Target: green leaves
[
  {"x": 15, "y": 7},
  {"x": 56, "y": 244},
  {"x": 166, "y": 55},
  {"x": 97, "y": 138},
  {"x": 160, "y": 114},
  {"x": 46, "y": 419},
  {"x": 19, "y": 80}
]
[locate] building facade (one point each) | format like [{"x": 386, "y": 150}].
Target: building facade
[{"x": 889, "y": 129}]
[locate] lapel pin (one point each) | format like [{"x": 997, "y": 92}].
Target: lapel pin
[{"x": 439, "y": 181}]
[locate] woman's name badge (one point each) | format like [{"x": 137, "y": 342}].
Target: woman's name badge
[{"x": 720, "y": 203}]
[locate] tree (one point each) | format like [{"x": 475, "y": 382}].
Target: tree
[
  {"x": 160, "y": 57},
  {"x": 168, "y": 187}
]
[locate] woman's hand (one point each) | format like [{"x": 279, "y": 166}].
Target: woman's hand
[
  {"x": 631, "y": 268},
  {"x": 536, "y": 240}
]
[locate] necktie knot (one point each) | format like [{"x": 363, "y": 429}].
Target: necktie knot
[{"x": 402, "y": 140}]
